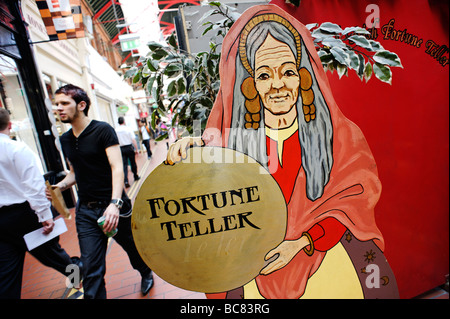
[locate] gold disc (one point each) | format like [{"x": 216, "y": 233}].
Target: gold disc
[{"x": 206, "y": 223}]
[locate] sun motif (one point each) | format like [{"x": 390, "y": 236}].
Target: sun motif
[{"x": 370, "y": 256}]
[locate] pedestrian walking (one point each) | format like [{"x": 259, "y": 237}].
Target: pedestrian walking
[
  {"x": 94, "y": 156},
  {"x": 145, "y": 132},
  {"x": 128, "y": 148},
  {"x": 23, "y": 208}
]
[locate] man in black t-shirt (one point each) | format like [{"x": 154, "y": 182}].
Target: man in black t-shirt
[{"x": 95, "y": 161}]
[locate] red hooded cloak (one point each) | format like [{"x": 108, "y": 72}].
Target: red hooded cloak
[{"x": 353, "y": 188}]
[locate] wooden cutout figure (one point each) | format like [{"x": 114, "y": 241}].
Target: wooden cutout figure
[{"x": 275, "y": 105}]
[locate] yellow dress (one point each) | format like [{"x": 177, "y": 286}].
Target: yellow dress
[{"x": 336, "y": 278}]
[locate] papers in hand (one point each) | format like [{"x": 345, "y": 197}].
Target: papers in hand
[{"x": 37, "y": 237}]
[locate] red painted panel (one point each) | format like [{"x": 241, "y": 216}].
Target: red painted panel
[{"x": 407, "y": 127}]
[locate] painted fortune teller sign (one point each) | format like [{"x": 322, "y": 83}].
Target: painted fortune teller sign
[
  {"x": 276, "y": 107},
  {"x": 197, "y": 223}
]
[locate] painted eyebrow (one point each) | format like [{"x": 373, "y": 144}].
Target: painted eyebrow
[
  {"x": 282, "y": 64},
  {"x": 262, "y": 66},
  {"x": 288, "y": 62},
  {"x": 292, "y": 64}
]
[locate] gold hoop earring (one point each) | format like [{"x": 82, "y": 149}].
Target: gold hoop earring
[
  {"x": 309, "y": 110},
  {"x": 252, "y": 103}
]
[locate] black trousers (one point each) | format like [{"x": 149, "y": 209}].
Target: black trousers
[
  {"x": 16, "y": 221},
  {"x": 128, "y": 155},
  {"x": 147, "y": 147},
  {"x": 93, "y": 246}
]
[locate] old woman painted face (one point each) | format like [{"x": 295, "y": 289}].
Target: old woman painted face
[{"x": 276, "y": 77}]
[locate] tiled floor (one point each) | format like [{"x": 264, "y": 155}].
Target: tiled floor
[{"x": 122, "y": 281}]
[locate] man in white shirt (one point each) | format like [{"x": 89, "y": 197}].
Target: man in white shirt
[
  {"x": 128, "y": 147},
  {"x": 23, "y": 208},
  {"x": 145, "y": 137}
]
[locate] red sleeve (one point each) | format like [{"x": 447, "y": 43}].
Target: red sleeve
[{"x": 327, "y": 233}]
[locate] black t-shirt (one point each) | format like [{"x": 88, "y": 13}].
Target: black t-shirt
[{"x": 89, "y": 160}]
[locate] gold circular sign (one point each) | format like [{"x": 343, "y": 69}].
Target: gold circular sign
[{"x": 206, "y": 223}]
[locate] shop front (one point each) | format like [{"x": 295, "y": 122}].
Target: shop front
[{"x": 22, "y": 92}]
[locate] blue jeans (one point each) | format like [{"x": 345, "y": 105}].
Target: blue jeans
[{"x": 93, "y": 244}]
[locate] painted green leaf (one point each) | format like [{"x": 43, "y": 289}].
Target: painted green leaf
[
  {"x": 341, "y": 70},
  {"x": 333, "y": 42},
  {"x": 340, "y": 55},
  {"x": 311, "y": 25},
  {"x": 382, "y": 72},
  {"x": 330, "y": 28},
  {"x": 361, "y": 66},
  {"x": 388, "y": 58},
  {"x": 354, "y": 60},
  {"x": 368, "y": 71},
  {"x": 357, "y": 30},
  {"x": 376, "y": 46},
  {"x": 325, "y": 57},
  {"x": 361, "y": 41}
]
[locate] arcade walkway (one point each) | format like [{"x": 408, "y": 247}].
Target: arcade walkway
[{"x": 122, "y": 281}]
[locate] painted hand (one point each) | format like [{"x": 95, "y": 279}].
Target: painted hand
[
  {"x": 286, "y": 251},
  {"x": 178, "y": 150}
]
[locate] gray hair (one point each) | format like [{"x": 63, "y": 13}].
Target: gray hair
[{"x": 316, "y": 136}]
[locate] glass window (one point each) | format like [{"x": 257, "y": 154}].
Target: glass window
[
  {"x": 12, "y": 97},
  {"x": 48, "y": 85},
  {"x": 61, "y": 83}
]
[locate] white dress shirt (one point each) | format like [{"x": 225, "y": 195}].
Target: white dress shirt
[
  {"x": 125, "y": 135},
  {"x": 20, "y": 178},
  {"x": 145, "y": 135}
]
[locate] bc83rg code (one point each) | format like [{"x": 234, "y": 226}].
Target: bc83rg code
[{"x": 247, "y": 308}]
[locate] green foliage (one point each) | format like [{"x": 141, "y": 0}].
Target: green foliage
[
  {"x": 346, "y": 49},
  {"x": 188, "y": 83},
  {"x": 185, "y": 83}
]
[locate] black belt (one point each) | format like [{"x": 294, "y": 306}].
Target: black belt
[{"x": 95, "y": 204}]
